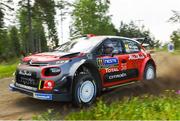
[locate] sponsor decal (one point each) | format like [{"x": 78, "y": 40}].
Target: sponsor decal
[
  {"x": 26, "y": 87},
  {"x": 25, "y": 73},
  {"x": 26, "y": 81},
  {"x": 121, "y": 75},
  {"x": 124, "y": 66},
  {"x": 42, "y": 96},
  {"x": 117, "y": 76},
  {"x": 136, "y": 56},
  {"x": 109, "y": 70},
  {"x": 106, "y": 62}
]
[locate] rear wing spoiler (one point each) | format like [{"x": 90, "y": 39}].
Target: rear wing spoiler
[{"x": 145, "y": 39}]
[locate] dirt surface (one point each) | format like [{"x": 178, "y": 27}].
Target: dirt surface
[{"x": 18, "y": 106}]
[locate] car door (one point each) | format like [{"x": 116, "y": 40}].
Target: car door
[
  {"x": 114, "y": 68},
  {"x": 134, "y": 57}
]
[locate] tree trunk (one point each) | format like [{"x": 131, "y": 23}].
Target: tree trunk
[{"x": 31, "y": 40}]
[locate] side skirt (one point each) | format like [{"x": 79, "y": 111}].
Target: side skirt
[{"x": 121, "y": 85}]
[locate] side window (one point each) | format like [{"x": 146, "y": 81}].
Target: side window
[
  {"x": 131, "y": 46},
  {"x": 118, "y": 48},
  {"x": 110, "y": 46}
]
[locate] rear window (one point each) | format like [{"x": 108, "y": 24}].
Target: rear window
[{"x": 131, "y": 46}]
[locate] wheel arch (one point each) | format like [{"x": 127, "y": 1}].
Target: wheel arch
[
  {"x": 93, "y": 71},
  {"x": 146, "y": 62}
]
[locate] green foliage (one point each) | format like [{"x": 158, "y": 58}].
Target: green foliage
[
  {"x": 38, "y": 30},
  {"x": 43, "y": 14},
  {"x": 47, "y": 116},
  {"x": 7, "y": 69},
  {"x": 1, "y": 18},
  {"x": 23, "y": 29},
  {"x": 40, "y": 41},
  {"x": 90, "y": 16},
  {"x": 131, "y": 30},
  {"x": 5, "y": 46},
  {"x": 47, "y": 12},
  {"x": 4, "y": 6},
  {"x": 15, "y": 42},
  {"x": 9, "y": 44},
  {"x": 175, "y": 37},
  {"x": 138, "y": 108},
  {"x": 176, "y": 17}
]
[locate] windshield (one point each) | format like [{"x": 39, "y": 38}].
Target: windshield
[{"x": 83, "y": 44}]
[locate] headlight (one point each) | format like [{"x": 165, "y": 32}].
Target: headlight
[
  {"x": 62, "y": 61},
  {"x": 52, "y": 71}
]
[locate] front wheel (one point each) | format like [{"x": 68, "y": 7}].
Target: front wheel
[
  {"x": 85, "y": 90},
  {"x": 149, "y": 72}
]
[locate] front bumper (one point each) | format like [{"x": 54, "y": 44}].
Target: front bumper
[{"x": 42, "y": 96}]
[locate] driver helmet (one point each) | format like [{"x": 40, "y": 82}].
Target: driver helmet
[{"x": 108, "y": 47}]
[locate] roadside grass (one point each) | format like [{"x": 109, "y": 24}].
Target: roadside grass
[
  {"x": 177, "y": 52},
  {"x": 147, "y": 107},
  {"x": 7, "y": 68},
  {"x": 138, "y": 108}
]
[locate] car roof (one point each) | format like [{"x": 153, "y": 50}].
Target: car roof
[{"x": 120, "y": 37}]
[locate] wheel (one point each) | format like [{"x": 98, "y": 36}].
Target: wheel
[
  {"x": 149, "y": 72},
  {"x": 85, "y": 90}
]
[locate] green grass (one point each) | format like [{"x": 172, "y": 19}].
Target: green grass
[
  {"x": 164, "y": 107},
  {"x": 177, "y": 52},
  {"x": 7, "y": 68},
  {"x": 146, "y": 108},
  {"x": 47, "y": 116}
]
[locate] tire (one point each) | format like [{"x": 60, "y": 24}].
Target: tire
[
  {"x": 84, "y": 90},
  {"x": 149, "y": 72}
]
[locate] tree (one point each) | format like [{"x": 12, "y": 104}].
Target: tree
[
  {"x": 4, "y": 6},
  {"x": 175, "y": 37},
  {"x": 64, "y": 8},
  {"x": 1, "y": 19},
  {"x": 47, "y": 13},
  {"x": 15, "y": 42},
  {"x": 24, "y": 30},
  {"x": 131, "y": 30},
  {"x": 5, "y": 46},
  {"x": 30, "y": 41},
  {"x": 44, "y": 12},
  {"x": 90, "y": 16},
  {"x": 5, "y": 43},
  {"x": 176, "y": 17},
  {"x": 39, "y": 38}
]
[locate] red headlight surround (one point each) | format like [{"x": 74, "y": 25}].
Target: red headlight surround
[{"x": 51, "y": 71}]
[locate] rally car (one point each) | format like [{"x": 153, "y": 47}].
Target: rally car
[{"x": 79, "y": 70}]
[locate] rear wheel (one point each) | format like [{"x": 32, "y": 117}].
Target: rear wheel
[
  {"x": 85, "y": 90},
  {"x": 149, "y": 72}
]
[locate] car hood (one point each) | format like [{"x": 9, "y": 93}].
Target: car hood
[{"x": 49, "y": 56}]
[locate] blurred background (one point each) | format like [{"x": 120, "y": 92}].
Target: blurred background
[{"x": 32, "y": 26}]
